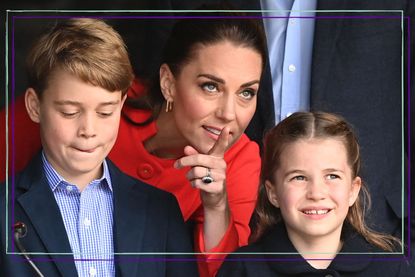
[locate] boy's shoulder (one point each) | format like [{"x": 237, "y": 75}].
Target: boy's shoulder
[
  {"x": 125, "y": 181},
  {"x": 22, "y": 180},
  {"x": 33, "y": 172},
  {"x": 135, "y": 199}
]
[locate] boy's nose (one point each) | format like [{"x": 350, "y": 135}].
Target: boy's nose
[{"x": 87, "y": 127}]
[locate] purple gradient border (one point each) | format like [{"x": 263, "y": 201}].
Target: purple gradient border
[
  {"x": 148, "y": 259},
  {"x": 408, "y": 18}
]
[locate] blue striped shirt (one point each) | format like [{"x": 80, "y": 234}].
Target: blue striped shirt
[{"x": 88, "y": 220}]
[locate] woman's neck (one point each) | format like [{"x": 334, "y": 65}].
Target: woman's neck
[
  {"x": 167, "y": 143},
  {"x": 319, "y": 251}
]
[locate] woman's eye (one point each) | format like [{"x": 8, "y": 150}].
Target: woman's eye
[
  {"x": 210, "y": 87},
  {"x": 248, "y": 94}
]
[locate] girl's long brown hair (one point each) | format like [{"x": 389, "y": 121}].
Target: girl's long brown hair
[{"x": 307, "y": 125}]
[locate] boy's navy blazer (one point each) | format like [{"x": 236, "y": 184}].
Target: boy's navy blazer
[{"x": 145, "y": 219}]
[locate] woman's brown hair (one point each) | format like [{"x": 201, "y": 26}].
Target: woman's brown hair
[{"x": 189, "y": 33}]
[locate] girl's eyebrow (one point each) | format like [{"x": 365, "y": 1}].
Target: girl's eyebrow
[
  {"x": 221, "y": 81},
  {"x": 294, "y": 171},
  {"x": 333, "y": 169}
]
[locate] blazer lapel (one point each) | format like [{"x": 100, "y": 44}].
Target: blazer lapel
[
  {"x": 326, "y": 33},
  {"x": 130, "y": 207},
  {"x": 40, "y": 206}
]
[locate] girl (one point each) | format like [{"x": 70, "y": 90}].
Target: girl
[{"x": 311, "y": 202}]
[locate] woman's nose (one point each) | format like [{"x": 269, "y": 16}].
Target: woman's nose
[{"x": 226, "y": 109}]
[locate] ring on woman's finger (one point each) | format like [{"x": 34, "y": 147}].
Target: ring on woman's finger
[{"x": 208, "y": 178}]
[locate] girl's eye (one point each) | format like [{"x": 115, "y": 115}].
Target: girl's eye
[
  {"x": 248, "y": 94},
  {"x": 210, "y": 87},
  {"x": 298, "y": 178},
  {"x": 333, "y": 176}
]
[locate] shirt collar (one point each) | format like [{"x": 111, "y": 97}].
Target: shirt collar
[
  {"x": 54, "y": 179},
  {"x": 277, "y": 240}
]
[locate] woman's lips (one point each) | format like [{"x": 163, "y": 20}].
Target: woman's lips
[{"x": 213, "y": 130}]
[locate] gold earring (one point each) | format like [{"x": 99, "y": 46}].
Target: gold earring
[{"x": 169, "y": 105}]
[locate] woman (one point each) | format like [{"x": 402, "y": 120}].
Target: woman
[{"x": 185, "y": 134}]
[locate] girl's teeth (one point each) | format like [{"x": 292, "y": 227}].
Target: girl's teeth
[{"x": 316, "y": 212}]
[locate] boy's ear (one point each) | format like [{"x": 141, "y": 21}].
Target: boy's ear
[
  {"x": 354, "y": 192},
  {"x": 32, "y": 103},
  {"x": 123, "y": 98},
  {"x": 271, "y": 193},
  {"x": 167, "y": 82}
]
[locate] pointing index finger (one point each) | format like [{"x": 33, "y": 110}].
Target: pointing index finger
[{"x": 220, "y": 146}]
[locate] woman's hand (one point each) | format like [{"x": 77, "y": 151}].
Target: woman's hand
[{"x": 213, "y": 195}]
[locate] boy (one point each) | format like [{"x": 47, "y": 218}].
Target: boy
[{"x": 78, "y": 208}]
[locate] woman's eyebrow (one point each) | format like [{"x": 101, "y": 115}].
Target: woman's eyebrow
[
  {"x": 250, "y": 83},
  {"x": 214, "y": 78},
  {"x": 221, "y": 81}
]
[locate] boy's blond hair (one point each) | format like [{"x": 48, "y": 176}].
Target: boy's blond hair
[{"x": 87, "y": 48}]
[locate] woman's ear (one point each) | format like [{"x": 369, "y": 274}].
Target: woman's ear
[
  {"x": 271, "y": 193},
  {"x": 354, "y": 192},
  {"x": 167, "y": 82},
  {"x": 32, "y": 103}
]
